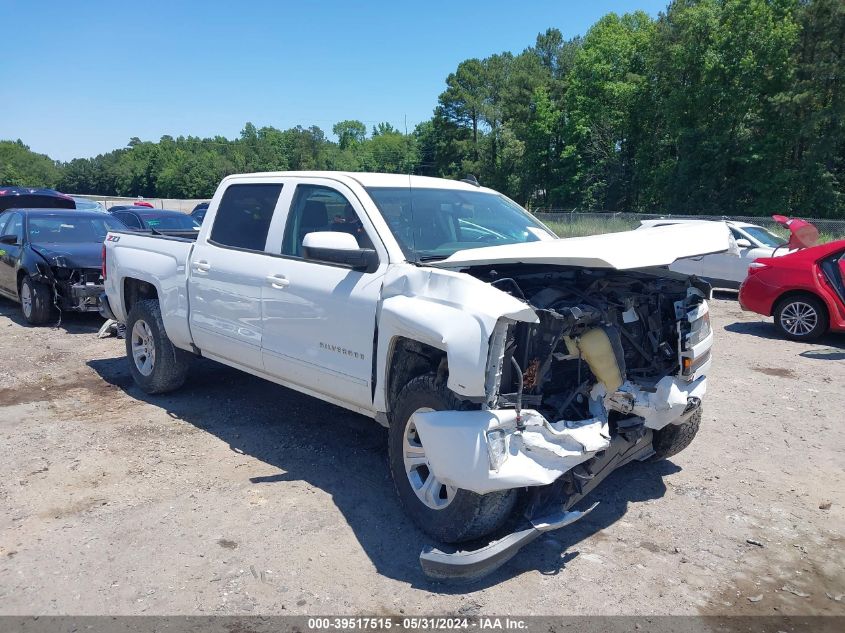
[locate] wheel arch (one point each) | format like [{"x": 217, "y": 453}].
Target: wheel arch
[
  {"x": 135, "y": 290},
  {"x": 407, "y": 359}
]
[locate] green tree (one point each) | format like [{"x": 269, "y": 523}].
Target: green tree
[
  {"x": 349, "y": 133},
  {"x": 20, "y": 166}
]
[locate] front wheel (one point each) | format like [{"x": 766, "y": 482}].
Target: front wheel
[
  {"x": 157, "y": 366},
  {"x": 801, "y": 318},
  {"x": 446, "y": 513},
  {"x": 36, "y": 301},
  {"x": 673, "y": 438}
]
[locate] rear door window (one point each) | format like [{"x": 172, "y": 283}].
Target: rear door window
[
  {"x": 129, "y": 219},
  {"x": 244, "y": 215}
]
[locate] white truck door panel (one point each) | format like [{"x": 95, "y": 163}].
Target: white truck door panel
[
  {"x": 318, "y": 318},
  {"x": 225, "y": 297},
  {"x": 318, "y": 330},
  {"x": 228, "y": 273}
]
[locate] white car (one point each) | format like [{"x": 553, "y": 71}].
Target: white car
[
  {"x": 503, "y": 360},
  {"x": 728, "y": 269}
]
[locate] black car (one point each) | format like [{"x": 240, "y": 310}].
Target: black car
[
  {"x": 19, "y": 197},
  {"x": 199, "y": 212},
  {"x": 50, "y": 259},
  {"x": 157, "y": 220}
]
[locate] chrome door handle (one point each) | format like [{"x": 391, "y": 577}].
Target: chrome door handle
[
  {"x": 202, "y": 266},
  {"x": 278, "y": 281}
]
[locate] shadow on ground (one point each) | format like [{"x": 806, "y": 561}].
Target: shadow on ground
[
  {"x": 345, "y": 455},
  {"x": 71, "y": 322},
  {"x": 766, "y": 330}
]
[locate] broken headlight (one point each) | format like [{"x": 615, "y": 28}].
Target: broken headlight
[
  {"x": 497, "y": 448},
  {"x": 699, "y": 330}
]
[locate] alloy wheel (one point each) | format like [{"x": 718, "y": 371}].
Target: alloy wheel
[
  {"x": 799, "y": 318},
  {"x": 431, "y": 491},
  {"x": 143, "y": 347},
  {"x": 26, "y": 300}
]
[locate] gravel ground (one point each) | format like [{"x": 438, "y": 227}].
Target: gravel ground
[{"x": 236, "y": 496}]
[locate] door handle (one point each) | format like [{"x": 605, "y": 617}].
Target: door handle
[
  {"x": 278, "y": 281},
  {"x": 202, "y": 266}
]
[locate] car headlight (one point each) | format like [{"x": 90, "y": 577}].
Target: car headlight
[
  {"x": 699, "y": 330},
  {"x": 497, "y": 448}
]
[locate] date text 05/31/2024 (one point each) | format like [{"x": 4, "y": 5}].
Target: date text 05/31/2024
[{"x": 416, "y": 623}]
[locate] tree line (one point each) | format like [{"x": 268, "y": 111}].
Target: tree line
[{"x": 715, "y": 106}]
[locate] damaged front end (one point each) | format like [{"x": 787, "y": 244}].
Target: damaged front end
[
  {"x": 75, "y": 289},
  {"x": 614, "y": 357}
]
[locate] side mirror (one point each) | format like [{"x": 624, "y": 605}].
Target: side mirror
[
  {"x": 10, "y": 239},
  {"x": 339, "y": 248},
  {"x": 743, "y": 243}
]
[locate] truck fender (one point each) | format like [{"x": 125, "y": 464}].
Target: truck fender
[
  {"x": 169, "y": 278},
  {"x": 449, "y": 311}
]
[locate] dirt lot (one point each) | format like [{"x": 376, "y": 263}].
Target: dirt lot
[{"x": 238, "y": 496}]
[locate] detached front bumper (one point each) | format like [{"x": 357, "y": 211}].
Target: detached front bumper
[{"x": 484, "y": 451}]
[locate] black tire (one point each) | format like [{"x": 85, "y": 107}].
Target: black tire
[
  {"x": 469, "y": 515},
  {"x": 169, "y": 364},
  {"x": 786, "y": 315},
  {"x": 673, "y": 438},
  {"x": 39, "y": 299}
]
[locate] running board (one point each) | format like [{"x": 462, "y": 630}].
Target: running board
[{"x": 469, "y": 566}]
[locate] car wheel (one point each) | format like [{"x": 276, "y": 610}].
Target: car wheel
[
  {"x": 801, "y": 317},
  {"x": 673, "y": 438},
  {"x": 36, "y": 301},
  {"x": 157, "y": 366},
  {"x": 446, "y": 513}
]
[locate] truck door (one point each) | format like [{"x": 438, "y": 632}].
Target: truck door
[
  {"x": 319, "y": 318},
  {"x": 228, "y": 272}
]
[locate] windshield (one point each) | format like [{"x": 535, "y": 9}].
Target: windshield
[
  {"x": 67, "y": 229},
  {"x": 170, "y": 222},
  {"x": 763, "y": 236},
  {"x": 434, "y": 223}
]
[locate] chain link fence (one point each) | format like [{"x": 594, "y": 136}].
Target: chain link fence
[{"x": 575, "y": 223}]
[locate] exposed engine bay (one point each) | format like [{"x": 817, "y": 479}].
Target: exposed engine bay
[
  {"x": 74, "y": 289},
  {"x": 613, "y": 354},
  {"x": 614, "y": 357},
  {"x": 583, "y": 310}
]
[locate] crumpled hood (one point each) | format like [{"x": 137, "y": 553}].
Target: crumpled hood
[
  {"x": 627, "y": 250},
  {"x": 78, "y": 255}
]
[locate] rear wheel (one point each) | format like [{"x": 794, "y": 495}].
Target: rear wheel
[
  {"x": 36, "y": 301},
  {"x": 155, "y": 363},
  {"x": 801, "y": 317},
  {"x": 444, "y": 512}
]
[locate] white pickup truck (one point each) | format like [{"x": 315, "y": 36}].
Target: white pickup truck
[{"x": 508, "y": 364}]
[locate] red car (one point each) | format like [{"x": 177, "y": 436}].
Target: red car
[{"x": 804, "y": 291}]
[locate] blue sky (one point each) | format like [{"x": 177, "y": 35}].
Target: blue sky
[{"x": 80, "y": 78}]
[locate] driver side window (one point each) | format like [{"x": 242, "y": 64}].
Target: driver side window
[
  {"x": 317, "y": 208},
  {"x": 15, "y": 227}
]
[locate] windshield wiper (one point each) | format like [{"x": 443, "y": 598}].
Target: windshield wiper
[{"x": 431, "y": 258}]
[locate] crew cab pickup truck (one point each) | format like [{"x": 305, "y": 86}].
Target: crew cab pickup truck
[{"x": 507, "y": 364}]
